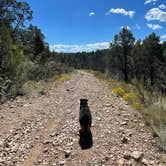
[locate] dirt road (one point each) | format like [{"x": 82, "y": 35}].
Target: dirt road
[{"x": 45, "y": 130}]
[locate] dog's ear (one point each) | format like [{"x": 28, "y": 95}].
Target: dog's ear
[
  {"x": 83, "y": 100},
  {"x": 86, "y": 100}
]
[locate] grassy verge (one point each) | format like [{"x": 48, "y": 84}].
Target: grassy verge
[
  {"x": 41, "y": 87},
  {"x": 151, "y": 105}
]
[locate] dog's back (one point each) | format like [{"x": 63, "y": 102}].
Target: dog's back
[{"x": 85, "y": 115}]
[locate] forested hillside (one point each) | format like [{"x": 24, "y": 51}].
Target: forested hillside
[{"x": 24, "y": 55}]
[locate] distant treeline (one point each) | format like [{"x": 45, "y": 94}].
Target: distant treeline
[
  {"x": 24, "y": 55},
  {"x": 126, "y": 59}
]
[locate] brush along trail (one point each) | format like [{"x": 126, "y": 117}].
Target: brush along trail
[{"x": 44, "y": 130}]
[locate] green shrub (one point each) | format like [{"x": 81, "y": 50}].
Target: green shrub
[
  {"x": 46, "y": 71},
  {"x": 162, "y": 135},
  {"x": 138, "y": 105},
  {"x": 119, "y": 91},
  {"x": 150, "y": 103},
  {"x": 129, "y": 97}
]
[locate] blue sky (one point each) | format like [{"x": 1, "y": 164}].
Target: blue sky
[{"x": 85, "y": 25}]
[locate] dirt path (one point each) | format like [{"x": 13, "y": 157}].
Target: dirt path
[{"x": 45, "y": 130}]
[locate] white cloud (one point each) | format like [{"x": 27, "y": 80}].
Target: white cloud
[
  {"x": 163, "y": 37},
  {"x": 162, "y": 6},
  {"x": 125, "y": 27},
  {"x": 156, "y": 14},
  {"x": 154, "y": 26},
  {"x": 150, "y": 1},
  {"x": 91, "y": 13},
  {"x": 121, "y": 11},
  {"x": 137, "y": 27},
  {"x": 80, "y": 48}
]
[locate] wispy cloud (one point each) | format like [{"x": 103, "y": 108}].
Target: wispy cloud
[
  {"x": 137, "y": 26},
  {"x": 162, "y": 6},
  {"x": 156, "y": 14},
  {"x": 91, "y": 13},
  {"x": 122, "y": 11},
  {"x": 163, "y": 37},
  {"x": 80, "y": 48},
  {"x": 150, "y": 1},
  {"x": 154, "y": 26}
]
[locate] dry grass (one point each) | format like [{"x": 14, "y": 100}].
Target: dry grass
[
  {"x": 41, "y": 87},
  {"x": 152, "y": 106}
]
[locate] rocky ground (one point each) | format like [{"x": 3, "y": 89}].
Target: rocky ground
[{"x": 44, "y": 130}]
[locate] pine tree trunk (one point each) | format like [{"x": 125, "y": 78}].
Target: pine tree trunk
[
  {"x": 152, "y": 75},
  {"x": 125, "y": 65}
]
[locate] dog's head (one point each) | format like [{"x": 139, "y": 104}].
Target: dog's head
[{"x": 83, "y": 102}]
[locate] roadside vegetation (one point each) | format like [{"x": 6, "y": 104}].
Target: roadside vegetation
[
  {"x": 41, "y": 87},
  {"x": 151, "y": 105},
  {"x": 25, "y": 58}
]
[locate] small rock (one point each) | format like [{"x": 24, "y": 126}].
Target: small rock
[
  {"x": 99, "y": 119},
  {"x": 59, "y": 148},
  {"x": 126, "y": 155},
  {"x": 120, "y": 162},
  {"x": 1, "y": 142},
  {"x": 126, "y": 115},
  {"x": 1, "y": 161},
  {"x": 47, "y": 142},
  {"x": 124, "y": 123},
  {"x": 109, "y": 132},
  {"x": 142, "y": 125},
  {"x": 124, "y": 139},
  {"x": 25, "y": 105},
  {"x": 102, "y": 136},
  {"x": 106, "y": 158},
  {"x": 137, "y": 155},
  {"x": 45, "y": 150},
  {"x": 39, "y": 160},
  {"x": 130, "y": 134},
  {"x": 145, "y": 162},
  {"x": 62, "y": 162},
  {"x": 121, "y": 129},
  {"x": 109, "y": 105},
  {"x": 14, "y": 148},
  {"x": 53, "y": 134},
  {"x": 151, "y": 162},
  {"x": 11, "y": 107},
  {"x": 67, "y": 153},
  {"x": 126, "y": 120}
]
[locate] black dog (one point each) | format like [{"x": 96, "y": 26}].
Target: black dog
[{"x": 85, "y": 116}]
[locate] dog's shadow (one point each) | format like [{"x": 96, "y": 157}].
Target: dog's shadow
[{"x": 86, "y": 139}]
